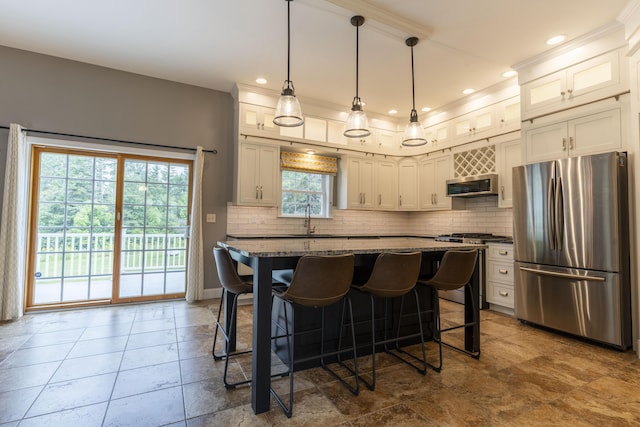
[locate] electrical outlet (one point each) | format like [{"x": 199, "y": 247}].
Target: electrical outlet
[{"x": 211, "y": 217}]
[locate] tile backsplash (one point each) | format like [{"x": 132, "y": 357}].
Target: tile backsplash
[{"x": 480, "y": 215}]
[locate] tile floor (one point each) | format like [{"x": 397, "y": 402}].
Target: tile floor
[{"x": 150, "y": 365}]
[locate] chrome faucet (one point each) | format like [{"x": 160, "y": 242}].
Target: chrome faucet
[{"x": 307, "y": 220}]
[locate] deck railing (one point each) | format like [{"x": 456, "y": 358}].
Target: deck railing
[{"x": 81, "y": 254}]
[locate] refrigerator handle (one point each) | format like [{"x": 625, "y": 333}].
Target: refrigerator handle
[
  {"x": 559, "y": 214},
  {"x": 551, "y": 230}
]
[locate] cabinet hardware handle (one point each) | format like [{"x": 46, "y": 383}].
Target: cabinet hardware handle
[
  {"x": 503, "y": 293},
  {"x": 261, "y": 192},
  {"x": 503, "y": 271},
  {"x": 435, "y": 198},
  {"x": 564, "y": 144},
  {"x": 257, "y": 192},
  {"x": 400, "y": 200},
  {"x": 561, "y": 93},
  {"x": 571, "y": 143},
  {"x": 503, "y": 252},
  {"x": 570, "y": 91},
  {"x": 502, "y": 191}
]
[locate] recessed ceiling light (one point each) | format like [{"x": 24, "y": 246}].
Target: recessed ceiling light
[
  {"x": 468, "y": 91},
  {"x": 393, "y": 111},
  {"x": 425, "y": 109},
  {"x": 556, "y": 39},
  {"x": 261, "y": 81},
  {"x": 311, "y": 152},
  {"x": 509, "y": 73}
]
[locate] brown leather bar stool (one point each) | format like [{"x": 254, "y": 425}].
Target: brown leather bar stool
[
  {"x": 317, "y": 282},
  {"x": 233, "y": 284},
  {"x": 394, "y": 275},
  {"x": 455, "y": 272}
]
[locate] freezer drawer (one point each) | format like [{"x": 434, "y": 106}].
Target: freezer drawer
[{"x": 590, "y": 304}]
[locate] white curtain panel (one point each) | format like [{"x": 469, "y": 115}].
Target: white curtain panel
[
  {"x": 195, "y": 267},
  {"x": 13, "y": 227}
]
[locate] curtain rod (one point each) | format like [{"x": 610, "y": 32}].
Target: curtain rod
[{"x": 111, "y": 140}]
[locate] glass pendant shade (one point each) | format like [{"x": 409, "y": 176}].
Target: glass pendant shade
[
  {"x": 414, "y": 132},
  {"x": 288, "y": 111},
  {"x": 357, "y": 125}
]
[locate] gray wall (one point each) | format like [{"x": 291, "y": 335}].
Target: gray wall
[{"x": 57, "y": 95}]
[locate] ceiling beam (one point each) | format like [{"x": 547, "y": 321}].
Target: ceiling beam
[{"x": 395, "y": 24}]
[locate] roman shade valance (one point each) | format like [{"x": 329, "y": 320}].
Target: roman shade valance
[{"x": 312, "y": 163}]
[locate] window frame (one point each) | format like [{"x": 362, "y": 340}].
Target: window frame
[{"x": 326, "y": 194}]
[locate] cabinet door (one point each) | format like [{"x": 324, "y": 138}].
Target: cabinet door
[
  {"x": 257, "y": 120},
  {"x": 542, "y": 94},
  {"x": 354, "y": 193},
  {"x": 258, "y": 175},
  {"x": 508, "y": 114},
  {"x": 595, "y": 133},
  {"x": 248, "y": 174},
  {"x": 443, "y": 168},
  {"x": 367, "y": 173},
  {"x": 593, "y": 75},
  {"x": 386, "y": 174},
  {"x": 268, "y": 175},
  {"x": 546, "y": 142},
  {"x": 427, "y": 184},
  {"x": 407, "y": 185},
  {"x": 510, "y": 154}
]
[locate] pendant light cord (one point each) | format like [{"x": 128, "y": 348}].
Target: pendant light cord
[
  {"x": 413, "y": 87},
  {"x": 357, "y": 59},
  {"x": 288, "y": 41}
]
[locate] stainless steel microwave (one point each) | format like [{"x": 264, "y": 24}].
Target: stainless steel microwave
[{"x": 472, "y": 186}]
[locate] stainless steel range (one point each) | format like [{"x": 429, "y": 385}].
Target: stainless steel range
[{"x": 476, "y": 239}]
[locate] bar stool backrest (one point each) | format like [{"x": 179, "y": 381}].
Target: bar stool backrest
[
  {"x": 456, "y": 269},
  {"x": 320, "y": 281},
  {"x": 227, "y": 273},
  {"x": 394, "y": 274}
]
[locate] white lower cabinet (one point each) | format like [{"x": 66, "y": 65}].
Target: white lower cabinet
[{"x": 500, "y": 275}]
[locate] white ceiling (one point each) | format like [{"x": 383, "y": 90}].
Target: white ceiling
[{"x": 214, "y": 43}]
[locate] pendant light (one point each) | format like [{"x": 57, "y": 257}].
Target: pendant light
[
  {"x": 357, "y": 125},
  {"x": 288, "y": 111},
  {"x": 414, "y": 133}
]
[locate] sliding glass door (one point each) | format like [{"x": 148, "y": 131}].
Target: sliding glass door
[{"x": 106, "y": 228}]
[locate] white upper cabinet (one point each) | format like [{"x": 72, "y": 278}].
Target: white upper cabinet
[
  {"x": 356, "y": 184},
  {"x": 476, "y": 124},
  {"x": 386, "y": 184},
  {"x": 408, "y": 184},
  {"x": 255, "y": 119},
  {"x": 433, "y": 183},
  {"x": 509, "y": 156},
  {"x": 508, "y": 115},
  {"x": 258, "y": 172},
  {"x": 593, "y": 133},
  {"x": 579, "y": 84}
]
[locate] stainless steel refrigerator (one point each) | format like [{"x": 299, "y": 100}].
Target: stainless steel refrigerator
[{"x": 571, "y": 246}]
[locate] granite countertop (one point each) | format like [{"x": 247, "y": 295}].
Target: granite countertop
[{"x": 335, "y": 246}]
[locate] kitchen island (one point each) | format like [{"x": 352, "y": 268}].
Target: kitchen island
[{"x": 267, "y": 255}]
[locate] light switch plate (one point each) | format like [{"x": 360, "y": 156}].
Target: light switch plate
[{"x": 211, "y": 217}]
